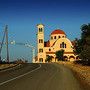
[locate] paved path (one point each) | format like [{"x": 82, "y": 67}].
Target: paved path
[{"x": 39, "y": 77}]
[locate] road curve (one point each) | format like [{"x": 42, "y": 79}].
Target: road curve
[{"x": 47, "y": 77}]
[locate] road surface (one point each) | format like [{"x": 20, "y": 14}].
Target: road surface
[{"x": 39, "y": 77}]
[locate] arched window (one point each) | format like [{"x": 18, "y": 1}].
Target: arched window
[
  {"x": 40, "y": 59},
  {"x": 65, "y": 58},
  {"x": 62, "y": 36},
  {"x": 62, "y": 45},
  {"x": 40, "y": 50},
  {"x": 65, "y": 45},
  {"x": 40, "y": 40},
  {"x": 49, "y": 49},
  {"x": 54, "y": 37},
  {"x": 40, "y": 29},
  {"x": 58, "y": 36}
]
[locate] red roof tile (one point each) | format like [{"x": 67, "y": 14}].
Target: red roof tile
[
  {"x": 58, "y": 31},
  {"x": 47, "y": 44}
]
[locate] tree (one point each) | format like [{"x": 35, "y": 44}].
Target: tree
[
  {"x": 82, "y": 46},
  {"x": 49, "y": 58},
  {"x": 85, "y": 36},
  {"x": 59, "y": 54},
  {"x": 78, "y": 46},
  {"x": 85, "y": 28}
]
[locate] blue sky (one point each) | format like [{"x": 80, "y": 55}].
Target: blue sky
[{"x": 22, "y": 16}]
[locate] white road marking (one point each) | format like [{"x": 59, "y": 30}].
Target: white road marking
[{"x": 20, "y": 76}]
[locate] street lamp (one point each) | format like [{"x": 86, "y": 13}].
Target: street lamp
[
  {"x": 27, "y": 45},
  {"x": 33, "y": 51}
]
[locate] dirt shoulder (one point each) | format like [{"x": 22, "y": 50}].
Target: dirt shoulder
[
  {"x": 6, "y": 66},
  {"x": 82, "y": 73}
]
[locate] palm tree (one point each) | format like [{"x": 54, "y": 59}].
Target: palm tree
[
  {"x": 59, "y": 54},
  {"x": 49, "y": 58}
]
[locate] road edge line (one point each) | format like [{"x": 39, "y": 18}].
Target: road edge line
[{"x": 20, "y": 75}]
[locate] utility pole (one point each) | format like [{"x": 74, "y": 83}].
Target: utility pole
[
  {"x": 2, "y": 46},
  {"x": 6, "y": 31}
]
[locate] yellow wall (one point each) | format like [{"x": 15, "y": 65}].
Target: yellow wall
[
  {"x": 57, "y": 37},
  {"x": 40, "y": 35},
  {"x": 54, "y": 45},
  {"x": 68, "y": 48}
]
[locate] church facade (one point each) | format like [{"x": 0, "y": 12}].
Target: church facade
[{"x": 58, "y": 40}]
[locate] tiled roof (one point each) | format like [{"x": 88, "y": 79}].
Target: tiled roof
[
  {"x": 47, "y": 44},
  {"x": 58, "y": 31}
]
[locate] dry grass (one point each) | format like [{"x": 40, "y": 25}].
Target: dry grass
[{"x": 4, "y": 66}]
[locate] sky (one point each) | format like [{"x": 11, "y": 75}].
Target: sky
[{"x": 22, "y": 16}]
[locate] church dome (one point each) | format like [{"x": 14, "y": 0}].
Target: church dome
[{"x": 58, "y": 31}]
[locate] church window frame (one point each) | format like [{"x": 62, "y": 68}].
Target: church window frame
[
  {"x": 60, "y": 45},
  {"x": 63, "y": 45},
  {"x": 40, "y": 40},
  {"x": 40, "y": 59},
  {"x": 41, "y": 50},
  {"x": 40, "y": 29},
  {"x": 59, "y": 37},
  {"x": 49, "y": 49},
  {"x": 63, "y": 36},
  {"x": 54, "y": 37}
]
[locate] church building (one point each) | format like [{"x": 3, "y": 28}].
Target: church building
[{"x": 58, "y": 40}]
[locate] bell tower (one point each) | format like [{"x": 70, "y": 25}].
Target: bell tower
[{"x": 40, "y": 43}]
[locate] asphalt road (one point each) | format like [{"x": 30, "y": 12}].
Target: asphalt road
[{"x": 39, "y": 77}]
